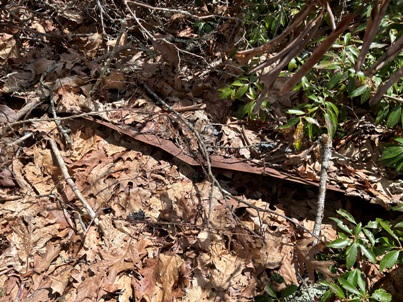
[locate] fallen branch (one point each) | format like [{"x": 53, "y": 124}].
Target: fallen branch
[{"x": 71, "y": 183}]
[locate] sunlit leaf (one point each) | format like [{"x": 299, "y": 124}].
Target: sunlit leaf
[
  {"x": 224, "y": 93},
  {"x": 346, "y": 215},
  {"x": 295, "y": 111},
  {"x": 386, "y": 227},
  {"x": 298, "y": 135},
  {"x": 336, "y": 289},
  {"x": 368, "y": 253},
  {"x": 311, "y": 120},
  {"x": 351, "y": 255},
  {"x": 339, "y": 243},
  {"x": 348, "y": 286},
  {"x": 241, "y": 91},
  {"x": 341, "y": 225},
  {"x": 381, "y": 295}
]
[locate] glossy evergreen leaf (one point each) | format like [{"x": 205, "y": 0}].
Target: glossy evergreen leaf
[
  {"x": 382, "y": 114},
  {"x": 348, "y": 286},
  {"x": 357, "y": 229},
  {"x": 368, "y": 253},
  {"x": 290, "y": 123},
  {"x": 346, "y": 215},
  {"x": 351, "y": 255},
  {"x": 391, "y": 152},
  {"x": 295, "y": 111},
  {"x": 225, "y": 93},
  {"x": 389, "y": 260},
  {"x": 289, "y": 291},
  {"x": 336, "y": 289},
  {"x": 339, "y": 243},
  {"x": 386, "y": 227},
  {"x": 357, "y": 92},
  {"x": 381, "y": 295},
  {"x": 311, "y": 120},
  {"x": 394, "y": 116},
  {"x": 241, "y": 91},
  {"x": 370, "y": 236},
  {"x": 330, "y": 124},
  {"x": 341, "y": 225},
  {"x": 270, "y": 291},
  {"x": 334, "y": 80}
]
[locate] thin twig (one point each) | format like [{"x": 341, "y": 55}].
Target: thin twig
[
  {"x": 71, "y": 183},
  {"x": 186, "y": 13}
]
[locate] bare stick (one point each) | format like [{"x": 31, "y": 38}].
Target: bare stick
[
  {"x": 71, "y": 183},
  {"x": 326, "y": 146}
]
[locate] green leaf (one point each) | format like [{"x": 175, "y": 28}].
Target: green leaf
[
  {"x": 399, "y": 140},
  {"x": 335, "y": 288},
  {"x": 361, "y": 282},
  {"x": 387, "y": 228},
  {"x": 339, "y": 243},
  {"x": 334, "y": 80},
  {"x": 394, "y": 116},
  {"x": 348, "y": 286},
  {"x": 352, "y": 277},
  {"x": 389, "y": 260},
  {"x": 290, "y": 123},
  {"x": 224, "y": 92},
  {"x": 368, "y": 253},
  {"x": 331, "y": 106},
  {"x": 358, "y": 91},
  {"x": 381, "y": 295},
  {"x": 237, "y": 83},
  {"x": 311, "y": 120},
  {"x": 341, "y": 225},
  {"x": 295, "y": 111},
  {"x": 328, "y": 65},
  {"x": 391, "y": 152},
  {"x": 351, "y": 255},
  {"x": 346, "y": 215},
  {"x": 270, "y": 291},
  {"x": 382, "y": 114},
  {"x": 365, "y": 96},
  {"x": 357, "y": 229},
  {"x": 394, "y": 161},
  {"x": 241, "y": 91},
  {"x": 326, "y": 296},
  {"x": 399, "y": 225},
  {"x": 331, "y": 125},
  {"x": 370, "y": 236},
  {"x": 289, "y": 290}
]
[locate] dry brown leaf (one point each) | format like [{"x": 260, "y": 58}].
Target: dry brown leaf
[
  {"x": 8, "y": 47},
  {"x": 306, "y": 259}
]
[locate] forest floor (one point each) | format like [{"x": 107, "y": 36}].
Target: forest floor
[{"x": 109, "y": 194}]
